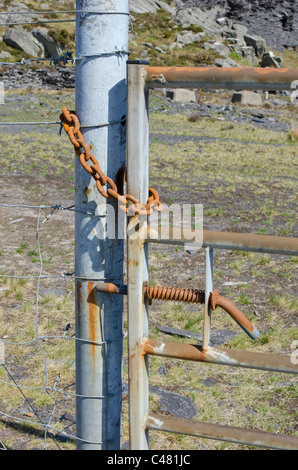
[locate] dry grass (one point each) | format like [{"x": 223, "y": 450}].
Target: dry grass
[
  {"x": 293, "y": 132},
  {"x": 245, "y": 176}
]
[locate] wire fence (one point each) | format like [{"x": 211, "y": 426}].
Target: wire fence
[
  {"x": 66, "y": 57},
  {"x": 49, "y": 428},
  {"x": 53, "y": 431},
  {"x": 45, "y": 418}
]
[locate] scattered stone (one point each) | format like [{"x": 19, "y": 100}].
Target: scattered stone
[
  {"x": 228, "y": 62},
  {"x": 53, "y": 291},
  {"x": 286, "y": 383},
  {"x": 248, "y": 53},
  {"x": 222, "y": 21},
  {"x": 257, "y": 115},
  {"x": 187, "y": 37},
  {"x": 143, "y": 6},
  {"x": 239, "y": 28},
  {"x": 217, "y": 337},
  {"x": 218, "y": 47},
  {"x": 247, "y": 97},
  {"x": 270, "y": 60},
  {"x": 4, "y": 55},
  {"x": 258, "y": 43},
  {"x": 49, "y": 45},
  {"x": 147, "y": 44},
  {"x": 249, "y": 411},
  {"x": 166, "y": 7},
  {"x": 21, "y": 39},
  {"x": 198, "y": 17},
  {"x": 68, "y": 417},
  {"x": 208, "y": 382},
  {"x": 15, "y": 7},
  {"x": 177, "y": 405},
  {"x": 162, "y": 370},
  {"x": 182, "y": 95}
]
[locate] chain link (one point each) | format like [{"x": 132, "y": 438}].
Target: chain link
[{"x": 72, "y": 127}]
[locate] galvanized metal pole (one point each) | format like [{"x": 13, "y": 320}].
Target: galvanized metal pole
[
  {"x": 100, "y": 99},
  {"x": 137, "y": 253}
]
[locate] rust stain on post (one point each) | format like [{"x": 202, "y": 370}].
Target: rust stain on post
[{"x": 93, "y": 314}]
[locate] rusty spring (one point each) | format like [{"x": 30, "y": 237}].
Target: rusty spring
[{"x": 174, "y": 293}]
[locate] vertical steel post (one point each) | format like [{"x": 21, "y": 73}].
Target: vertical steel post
[
  {"x": 137, "y": 252},
  {"x": 208, "y": 291},
  {"x": 100, "y": 99}
]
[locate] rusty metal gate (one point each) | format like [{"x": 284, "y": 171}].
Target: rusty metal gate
[{"x": 141, "y": 78}]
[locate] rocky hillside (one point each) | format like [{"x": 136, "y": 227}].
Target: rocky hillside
[
  {"x": 222, "y": 33},
  {"x": 275, "y": 20}
]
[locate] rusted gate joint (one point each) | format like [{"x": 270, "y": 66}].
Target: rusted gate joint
[{"x": 189, "y": 296}]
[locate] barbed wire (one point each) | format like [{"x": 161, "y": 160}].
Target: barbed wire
[
  {"x": 66, "y": 20},
  {"x": 83, "y": 126},
  {"x": 27, "y": 123},
  {"x": 42, "y": 12},
  {"x": 67, "y": 57},
  {"x": 62, "y": 59}
]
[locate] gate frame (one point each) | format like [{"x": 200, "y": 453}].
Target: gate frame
[{"x": 141, "y": 78}]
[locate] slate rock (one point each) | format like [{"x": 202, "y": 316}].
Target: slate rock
[
  {"x": 228, "y": 62},
  {"x": 4, "y": 55},
  {"x": 23, "y": 40},
  {"x": 270, "y": 60},
  {"x": 177, "y": 405},
  {"x": 162, "y": 370},
  {"x": 217, "y": 337},
  {"x": 49, "y": 45},
  {"x": 69, "y": 417},
  {"x": 187, "y": 37},
  {"x": 218, "y": 47},
  {"x": 143, "y": 6},
  {"x": 257, "y": 42},
  {"x": 53, "y": 291}
]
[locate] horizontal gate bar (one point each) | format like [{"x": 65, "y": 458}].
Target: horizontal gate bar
[
  {"x": 227, "y": 78},
  {"x": 221, "y": 433},
  {"x": 223, "y": 240},
  {"x": 229, "y": 357}
]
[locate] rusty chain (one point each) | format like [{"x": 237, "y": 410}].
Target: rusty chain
[{"x": 72, "y": 127}]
